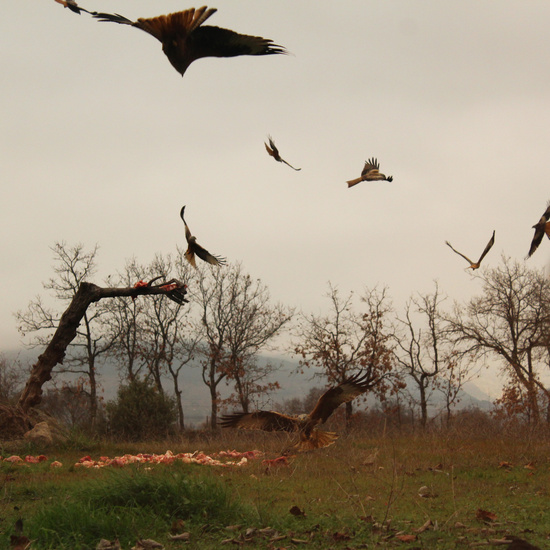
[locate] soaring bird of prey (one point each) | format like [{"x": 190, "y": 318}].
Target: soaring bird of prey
[
  {"x": 474, "y": 265},
  {"x": 370, "y": 173},
  {"x": 274, "y": 152},
  {"x": 309, "y": 437},
  {"x": 542, "y": 227},
  {"x": 184, "y": 38},
  {"x": 194, "y": 248}
]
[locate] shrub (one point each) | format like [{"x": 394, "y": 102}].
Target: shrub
[{"x": 140, "y": 412}]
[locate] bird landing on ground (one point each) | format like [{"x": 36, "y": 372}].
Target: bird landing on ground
[
  {"x": 370, "y": 173},
  {"x": 274, "y": 152},
  {"x": 474, "y": 265},
  {"x": 194, "y": 248},
  {"x": 310, "y": 438}
]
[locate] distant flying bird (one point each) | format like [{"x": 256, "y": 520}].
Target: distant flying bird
[
  {"x": 474, "y": 265},
  {"x": 542, "y": 227},
  {"x": 183, "y": 38},
  {"x": 195, "y": 248},
  {"x": 309, "y": 437},
  {"x": 274, "y": 152},
  {"x": 370, "y": 173}
]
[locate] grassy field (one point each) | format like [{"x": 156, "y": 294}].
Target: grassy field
[{"x": 393, "y": 492}]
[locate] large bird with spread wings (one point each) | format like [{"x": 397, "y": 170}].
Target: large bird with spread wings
[
  {"x": 194, "y": 248},
  {"x": 274, "y": 152},
  {"x": 185, "y": 39},
  {"x": 542, "y": 227},
  {"x": 474, "y": 265},
  {"x": 370, "y": 172},
  {"x": 309, "y": 437}
]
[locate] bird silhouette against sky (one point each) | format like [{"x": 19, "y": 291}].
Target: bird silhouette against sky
[
  {"x": 184, "y": 38},
  {"x": 194, "y": 248},
  {"x": 274, "y": 152},
  {"x": 309, "y": 437},
  {"x": 542, "y": 227},
  {"x": 370, "y": 173},
  {"x": 474, "y": 265}
]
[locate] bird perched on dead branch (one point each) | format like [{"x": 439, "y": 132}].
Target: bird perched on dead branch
[
  {"x": 474, "y": 265},
  {"x": 195, "y": 248},
  {"x": 542, "y": 227},
  {"x": 184, "y": 38},
  {"x": 274, "y": 152},
  {"x": 370, "y": 173},
  {"x": 309, "y": 437}
]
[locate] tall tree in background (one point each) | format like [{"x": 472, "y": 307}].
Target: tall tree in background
[
  {"x": 237, "y": 321},
  {"x": 344, "y": 342},
  {"x": 422, "y": 352},
  {"x": 154, "y": 338},
  {"x": 72, "y": 266},
  {"x": 11, "y": 378},
  {"x": 510, "y": 321},
  {"x": 123, "y": 323}
]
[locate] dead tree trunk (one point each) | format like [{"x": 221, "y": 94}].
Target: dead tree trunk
[{"x": 70, "y": 320}]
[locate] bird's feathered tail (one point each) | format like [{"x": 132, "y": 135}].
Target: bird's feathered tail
[
  {"x": 351, "y": 183},
  {"x": 317, "y": 440}
]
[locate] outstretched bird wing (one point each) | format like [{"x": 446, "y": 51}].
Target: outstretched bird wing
[
  {"x": 195, "y": 248},
  {"x": 73, "y": 6},
  {"x": 184, "y": 39},
  {"x": 274, "y": 152},
  {"x": 269, "y": 421},
  {"x": 346, "y": 391},
  {"x": 203, "y": 254},
  {"x": 542, "y": 227},
  {"x": 459, "y": 253},
  {"x": 487, "y": 248},
  {"x": 165, "y": 28},
  {"x": 371, "y": 167},
  {"x": 209, "y": 41}
]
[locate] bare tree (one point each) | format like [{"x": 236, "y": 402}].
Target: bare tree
[
  {"x": 457, "y": 370},
  {"x": 237, "y": 321},
  {"x": 69, "y": 322},
  {"x": 153, "y": 336},
  {"x": 11, "y": 378},
  {"x": 421, "y": 352},
  {"x": 344, "y": 342},
  {"x": 72, "y": 266},
  {"x": 124, "y": 324},
  {"x": 510, "y": 321}
]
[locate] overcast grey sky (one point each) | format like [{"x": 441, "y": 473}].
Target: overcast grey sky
[{"x": 103, "y": 142}]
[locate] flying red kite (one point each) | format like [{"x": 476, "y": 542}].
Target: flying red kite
[
  {"x": 474, "y": 265},
  {"x": 195, "y": 248},
  {"x": 185, "y": 40},
  {"x": 542, "y": 227},
  {"x": 310, "y": 438},
  {"x": 274, "y": 152},
  {"x": 370, "y": 173}
]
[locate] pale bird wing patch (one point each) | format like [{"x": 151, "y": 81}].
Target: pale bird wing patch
[{"x": 459, "y": 253}]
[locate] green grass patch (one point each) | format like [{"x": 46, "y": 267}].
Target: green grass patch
[{"x": 357, "y": 492}]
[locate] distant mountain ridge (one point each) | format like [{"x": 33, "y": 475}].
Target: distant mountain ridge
[{"x": 293, "y": 384}]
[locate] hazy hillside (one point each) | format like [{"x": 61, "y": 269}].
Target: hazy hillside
[{"x": 196, "y": 396}]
